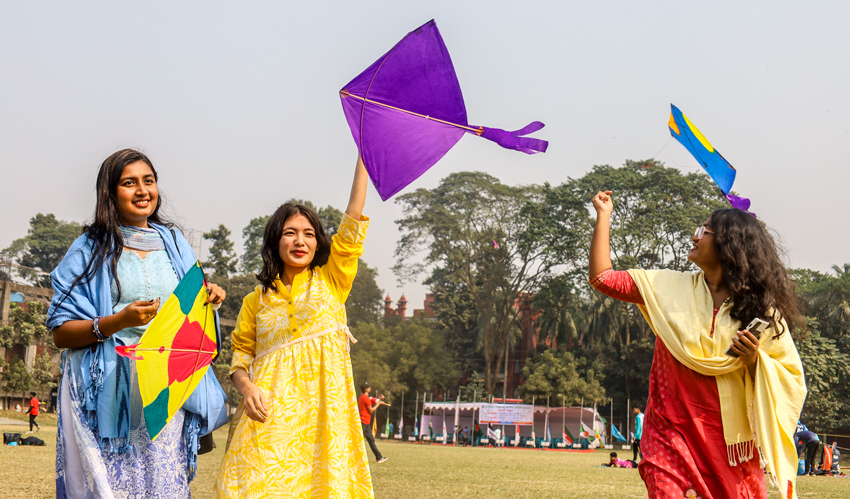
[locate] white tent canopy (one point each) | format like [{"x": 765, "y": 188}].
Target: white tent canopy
[{"x": 572, "y": 417}]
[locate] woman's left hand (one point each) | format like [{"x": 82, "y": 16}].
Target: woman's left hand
[
  {"x": 215, "y": 294},
  {"x": 746, "y": 345}
]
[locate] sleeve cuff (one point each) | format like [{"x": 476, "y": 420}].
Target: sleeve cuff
[
  {"x": 599, "y": 278},
  {"x": 241, "y": 360},
  {"x": 352, "y": 230}
]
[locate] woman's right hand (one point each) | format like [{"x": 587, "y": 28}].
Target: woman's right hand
[
  {"x": 138, "y": 313},
  {"x": 602, "y": 202},
  {"x": 254, "y": 403}
]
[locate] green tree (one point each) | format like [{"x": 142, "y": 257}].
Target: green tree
[
  {"x": 472, "y": 234},
  {"x": 237, "y": 288},
  {"x": 408, "y": 357},
  {"x": 365, "y": 301},
  {"x": 43, "y": 375},
  {"x": 27, "y": 326},
  {"x": 16, "y": 378},
  {"x": 560, "y": 376},
  {"x": 222, "y": 256},
  {"x": 827, "y": 376},
  {"x": 826, "y": 298},
  {"x": 563, "y": 311},
  {"x": 825, "y": 347},
  {"x": 252, "y": 262},
  {"x": 454, "y": 310},
  {"x": 474, "y": 390},
  {"x": 46, "y": 242}
]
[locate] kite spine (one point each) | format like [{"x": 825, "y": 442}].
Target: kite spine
[{"x": 477, "y": 131}]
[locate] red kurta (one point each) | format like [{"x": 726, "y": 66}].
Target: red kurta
[{"x": 684, "y": 452}]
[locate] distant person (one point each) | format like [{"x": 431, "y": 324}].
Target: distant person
[
  {"x": 614, "y": 462},
  {"x": 811, "y": 443},
  {"x": 465, "y": 436},
  {"x": 638, "y": 433},
  {"x": 836, "y": 457},
  {"x": 711, "y": 415},
  {"x": 367, "y": 406},
  {"x": 498, "y": 437},
  {"x": 33, "y": 412}
]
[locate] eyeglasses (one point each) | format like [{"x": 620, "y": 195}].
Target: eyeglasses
[{"x": 701, "y": 231}]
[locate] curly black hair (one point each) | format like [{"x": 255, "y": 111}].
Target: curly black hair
[
  {"x": 756, "y": 277},
  {"x": 272, "y": 263}
]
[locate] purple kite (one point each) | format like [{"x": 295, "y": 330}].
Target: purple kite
[{"x": 406, "y": 111}]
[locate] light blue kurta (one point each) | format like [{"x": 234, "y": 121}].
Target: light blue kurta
[{"x": 149, "y": 469}]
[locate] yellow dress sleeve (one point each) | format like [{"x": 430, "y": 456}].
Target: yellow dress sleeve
[
  {"x": 346, "y": 248},
  {"x": 244, "y": 337}
]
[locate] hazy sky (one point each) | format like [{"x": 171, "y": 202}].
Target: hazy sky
[{"x": 236, "y": 103}]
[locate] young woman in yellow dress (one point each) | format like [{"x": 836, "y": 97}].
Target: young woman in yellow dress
[{"x": 297, "y": 431}]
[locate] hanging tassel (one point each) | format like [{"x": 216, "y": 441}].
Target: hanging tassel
[{"x": 514, "y": 140}]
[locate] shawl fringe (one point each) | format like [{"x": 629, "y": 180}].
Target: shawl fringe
[
  {"x": 740, "y": 452},
  {"x": 192, "y": 430}
]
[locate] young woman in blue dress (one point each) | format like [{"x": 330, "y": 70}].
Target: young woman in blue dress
[{"x": 108, "y": 288}]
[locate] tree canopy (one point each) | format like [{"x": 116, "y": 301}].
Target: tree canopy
[
  {"x": 556, "y": 375},
  {"x": 46, "y": 242},
  {"x": 223, "y": 259},
  {"x": 472, "y": 238}
]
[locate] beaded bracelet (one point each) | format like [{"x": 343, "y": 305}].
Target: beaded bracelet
[{"x": 96, "y": 329}]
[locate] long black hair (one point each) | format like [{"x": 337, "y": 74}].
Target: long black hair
[
  {"x": 272, "y": 264},
  {"x": 757, "y": 279},
  {"x": 104, "y": 231}
]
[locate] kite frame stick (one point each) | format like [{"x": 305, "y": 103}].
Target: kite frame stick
[
  {"x": 172, "y": 350},
  {"x": 477, "y": 131},
  {"x": 198, "y": 358}
]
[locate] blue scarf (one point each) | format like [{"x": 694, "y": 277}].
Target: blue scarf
[
  {"x": 142, "y": 239},
  {"x": 105, "y": 374}
]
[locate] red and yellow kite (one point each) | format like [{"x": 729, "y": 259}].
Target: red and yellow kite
[{"x": 175, "y": 351}]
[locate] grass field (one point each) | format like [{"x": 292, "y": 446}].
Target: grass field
[{"x": 415, "y": 471}]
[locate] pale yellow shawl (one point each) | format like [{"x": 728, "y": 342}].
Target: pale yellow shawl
[{"x": 679, "y": 308}]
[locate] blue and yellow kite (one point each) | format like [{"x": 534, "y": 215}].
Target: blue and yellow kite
[{"x": 715, "y": 165}]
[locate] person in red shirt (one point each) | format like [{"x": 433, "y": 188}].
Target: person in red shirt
[
  {"x": 367, "y": 406},
  {"x": 33, "y": 412}
]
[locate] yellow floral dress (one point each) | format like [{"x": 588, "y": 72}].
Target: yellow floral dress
[{"x": 294, "y": 345}]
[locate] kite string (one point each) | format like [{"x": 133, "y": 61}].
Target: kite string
[
  {"x": 477, "y": 131},
  {"x": 665, "y": 145}
]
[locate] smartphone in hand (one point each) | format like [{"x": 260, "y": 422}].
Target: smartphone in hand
[{"x": 756, "y": 327}]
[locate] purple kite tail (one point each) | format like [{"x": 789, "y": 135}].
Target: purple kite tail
[
  {"x": 514, "y": 140},
  {"x": 739, "y": 203}
]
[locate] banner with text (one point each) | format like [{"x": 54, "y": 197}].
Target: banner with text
[{"x": 520, "y": 414}]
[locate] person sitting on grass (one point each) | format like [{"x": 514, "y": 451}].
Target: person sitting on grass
[{"x": 619, "y": 463}]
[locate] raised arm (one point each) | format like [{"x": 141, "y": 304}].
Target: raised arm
[
  {"x": 358, "y": 191},
  {"x": 600, "y": 247}
]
